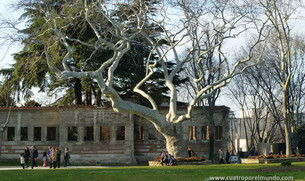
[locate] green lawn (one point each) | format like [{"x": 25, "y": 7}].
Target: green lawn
[{"x": 135, "y": 173}]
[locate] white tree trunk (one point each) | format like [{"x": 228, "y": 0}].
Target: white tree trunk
[
  {"x": 286, "y": 123},
  {"x": 1, "y": 139},
  {"x": 175, "y": 144}
]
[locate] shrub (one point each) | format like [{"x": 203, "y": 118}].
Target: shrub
[
  {"x": 183, "y": 159},
  {"x": 286, "y": 163},
  {"x": 156, "y": 158},
  {"x": 189, "y": 159},
  {"x": 269, "y": 157},
  {"x": 300, "y": 155},
  {"x": 277, "y": 156}
]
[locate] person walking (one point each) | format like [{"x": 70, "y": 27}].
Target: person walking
[
  {"x": 49, "y": 156},
  {"x": 26, "y": 155},
  {"x": 34, "y": 155},
  {"x": 44, "y": 159},
  {"x": 22, "y": 160},
  {"x": 53, "y": 158},
  {"x": 67, "y": 157},
  {"x": 221, "y": 157},
  {"x": 228, "y": 156},
  {"x": 58, "y": 152}
]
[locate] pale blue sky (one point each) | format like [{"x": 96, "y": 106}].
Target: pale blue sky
[{"x": 8, "y": 13}]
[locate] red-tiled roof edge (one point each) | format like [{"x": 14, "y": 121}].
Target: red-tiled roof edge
[
  {"x": 50, "y": 107},
  {"x": 30, "y": 108},
  {"x": 87, "y": 106},
  {"x": 84, "y": 106},
  {"x": 197, "y": 107}
]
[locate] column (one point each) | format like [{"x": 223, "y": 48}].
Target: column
[
  {"x": 96, "y": 127},
  {"x": 18, "y": 127},
  {"x": 80, "y": 135},
  {"x": 62, "y": 136},
  {"x": 31, "y": 133},
  {"x": 44, "y": 133},
  {"x": 130, "y": 138},
  {"x": 113, "y": 133}
]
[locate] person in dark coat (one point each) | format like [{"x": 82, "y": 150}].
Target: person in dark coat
[
  {"x": 58, "y": 152},
  {"x": 67, "y": 157},
  {"x": 34, "y": 155},
  {"x": 26, "y": 155},
  {"x": 228, "y": 156},
  {"x": 190, "y": 152},
  {"x": 172, "y": 160}
]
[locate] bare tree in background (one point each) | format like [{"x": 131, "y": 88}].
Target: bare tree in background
[
  {"x": 257, "y": 122},
  {"x": 281, "y": 13},
  {"x": 265, "y": 82},
  {"x": 281, "y": 75}
]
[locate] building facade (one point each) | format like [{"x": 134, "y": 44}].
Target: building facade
[{"x": 100, "y": 135}]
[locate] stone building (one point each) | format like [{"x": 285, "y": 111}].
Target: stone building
[{"x": 100, "y": 135}]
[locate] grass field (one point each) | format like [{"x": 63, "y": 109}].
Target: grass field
[{"x": 135, "y": 173}]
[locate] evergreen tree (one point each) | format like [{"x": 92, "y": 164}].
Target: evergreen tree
[{"x": 31, "y": 69}]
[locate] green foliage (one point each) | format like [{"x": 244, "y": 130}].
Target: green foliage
[
  {"x": 286, "y": 163},
  {"x": 31, "y": 103},
  {"x": 6, "y": 92},
  {"x": 3, "y": 97},
  {"x": 31, "y": 69}
]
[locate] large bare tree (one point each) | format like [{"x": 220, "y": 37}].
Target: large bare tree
[{"x": 182, "y": 32}]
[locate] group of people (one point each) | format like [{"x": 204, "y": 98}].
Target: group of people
[
  {"x": 53, "y": 157},
  {"x": 190, "y": 152},
  {"x": 297, "y": 151},
  {"x": 29, "y": 155},
  {"x": 170, "y": 160},
  {"x": 167, "y": 160},
  {"x": 222, "y": 157}
]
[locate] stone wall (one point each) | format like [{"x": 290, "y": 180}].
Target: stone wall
[
  {"x": 30, "y": 118},
  {"x": 146, "y": 149},
  {"x": 140, "y": 142},
  {"x": 105, "y": 151}
]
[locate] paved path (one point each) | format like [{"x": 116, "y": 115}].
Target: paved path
[{"x": 39, "y": 168}]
